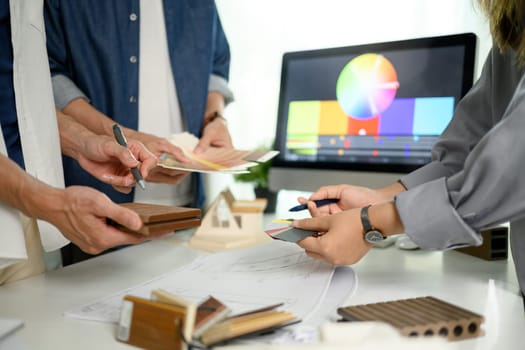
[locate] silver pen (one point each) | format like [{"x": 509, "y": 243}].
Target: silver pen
[{"x": 121, "y": 139}]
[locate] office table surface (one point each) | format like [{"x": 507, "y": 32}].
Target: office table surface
[{"x": 384, "y": 274}]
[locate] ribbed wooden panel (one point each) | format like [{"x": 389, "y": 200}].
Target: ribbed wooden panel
[{"x": 425, "y": 316}]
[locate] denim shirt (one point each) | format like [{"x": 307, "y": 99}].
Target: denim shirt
[{"x": 93, "y": 45}]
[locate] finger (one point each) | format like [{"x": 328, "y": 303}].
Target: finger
[
  {"x": 318, "y": 224},
  {"x": 119, "y": 237},
  {"x": 147, "y": 160},
  {"x": 167, "y": 147},
  {"x": 314, "y": 255},
  {"x": 123, "y": 216},
  {"x": 334, "y": 208},
  {"x": 123, "y": 189},
  {"x": 127, "y": 159},
  {"x": 311, "y": 244},
  {"x": 313, "y": 209},
  {"x": 119, "y": 181},
  {"x": 147, "y": 165},
  {"x": 107, "y": 236},
  {"x": 123, "y": 154},
  {"x": 203, "y": 145},
  {"x": 302, "y": 200},
  {"x": 326, "y": 192},
  {"x": 167, "y": 178},
  {"x": 222, "y": 142}
]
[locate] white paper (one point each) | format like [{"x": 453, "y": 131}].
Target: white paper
[
  {"x": 243, "y": 279},
  {"x": 342, "y": 286},
  {"x": 8, "y": 326}
]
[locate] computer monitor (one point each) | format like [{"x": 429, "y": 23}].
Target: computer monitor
[{"x": 373, "y": 109}]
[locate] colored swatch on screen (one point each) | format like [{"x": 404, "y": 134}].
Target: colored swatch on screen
[
  {"x": 366, "y": 86},
  {"x": 303, "y": 126},
  {"x": 321, "y": 125}
]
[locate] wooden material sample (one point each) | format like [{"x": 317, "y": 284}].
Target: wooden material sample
[
  {"x": 209, "y": 312},
  {"x": 163, "y": 218},
  {"x": 494, "y": 247},
  {"x": 163, "y": 296},
  {"x": 265, "y": 319},
  {"x": 150, "y": 324},
  {"x": 425, "y": 316}
]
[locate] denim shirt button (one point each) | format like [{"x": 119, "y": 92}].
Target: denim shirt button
[
  {"x": 132, "y": 99},
  {"x": 133, "y": 59},
  {"x": 133, "y": 17}
]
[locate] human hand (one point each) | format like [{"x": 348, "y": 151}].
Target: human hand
[
  {"x": 340, "y": 239},
  {"x": 349, "y": 197},
  {"x": 167, "y": 176},
  {"x": 111, "y": 163},
  {"x": 214, "y": 134},
  {"x": 158, "y": 145},
  {"x": 80, "y": 213}
]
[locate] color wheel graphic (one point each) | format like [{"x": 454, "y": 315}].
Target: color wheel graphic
[{"x": 366, "y": 86}]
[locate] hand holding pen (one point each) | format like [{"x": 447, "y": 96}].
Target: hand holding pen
[
  {"x": 332, "y": 199},
  {"x": 327, "y": 199},
  {"x": 318, "y": 203},
  {"x": 121, "y": 140}
]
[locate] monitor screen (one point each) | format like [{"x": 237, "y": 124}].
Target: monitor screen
[{"x": 374, "y": 107}]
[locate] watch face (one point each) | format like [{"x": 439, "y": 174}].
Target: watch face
[{"x": 374, "y": 236}]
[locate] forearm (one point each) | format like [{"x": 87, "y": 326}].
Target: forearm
[
  {"x": 97, "y": 122},
  {"x": 392, "y": 190},
  {"x": 214, "y": 109},
  {"x": 72, "y": 135},
  {"x": 214, "y": 103},
  {"x": 26, "y": 193},
  {"x": 89, "y": 117},
  {"x": 385, "y": 218}
]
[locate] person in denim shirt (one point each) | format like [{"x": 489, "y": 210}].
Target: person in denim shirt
[
  {"x": 159, "y": 67},
  {"x": 38, "y": 216}
]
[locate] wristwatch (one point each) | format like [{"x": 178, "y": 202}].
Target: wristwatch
[
  {"x": 370, "y": 234},
  {"x": 211, "y": 117}
]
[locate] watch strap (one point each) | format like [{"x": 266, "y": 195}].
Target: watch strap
[
  {"x": 210, "y": 118},
  {"x": 365, "y": 220},
  {"x": 370, "y": 233}
]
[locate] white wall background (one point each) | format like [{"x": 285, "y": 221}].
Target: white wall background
[{"x": 260, "y": 31}]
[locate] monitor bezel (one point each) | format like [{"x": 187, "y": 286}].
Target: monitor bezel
[{"x": 467, "y": 40}]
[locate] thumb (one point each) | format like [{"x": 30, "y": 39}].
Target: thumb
[
  {"x": 203, "y": 145},
  {"x": 124, "y": 216},
  {"x": 319, "y": 224},
  {"x": 124, "y": 155}
]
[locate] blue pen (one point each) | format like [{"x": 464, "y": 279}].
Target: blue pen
[{"x": 318, "y": 203}]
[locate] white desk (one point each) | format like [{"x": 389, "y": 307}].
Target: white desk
[{"x": 384, "y": 274}]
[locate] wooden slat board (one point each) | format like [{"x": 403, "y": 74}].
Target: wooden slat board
[
  {"x": 425, "y": 316},
  {"x": 150, "y": 213},
  {"x": 163, "y": 218}
]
